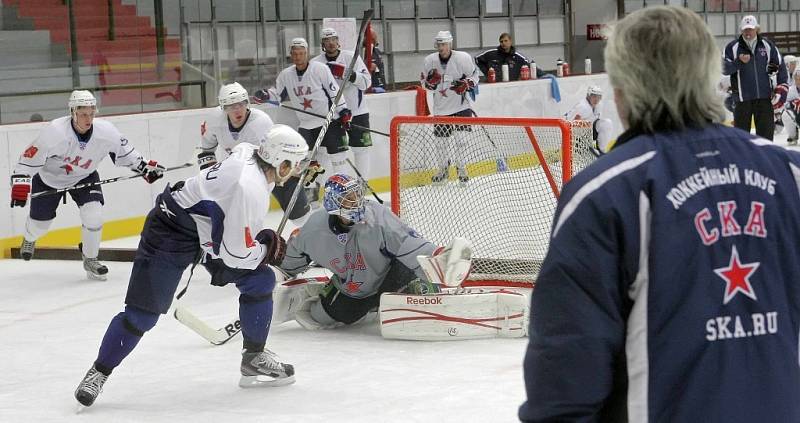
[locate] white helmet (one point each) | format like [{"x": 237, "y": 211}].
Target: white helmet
[
  {"x": 298, "y": 42},
  {"x": 232, "y": 94},
  {"x": 81, "y": 98},
  {"x": 442, "y": 37},
  {"x": 789, "y": 59},
  {"x": 328, "y": 33},
  {"x": 282, "y": 143},
  {"x": 594, "y": 90}
]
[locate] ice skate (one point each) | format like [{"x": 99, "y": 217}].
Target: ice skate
[
  {"x": 463, "y": 177},
  {"x": 90, "y": 387},
  {"x": 792, "y": 141},
  {"x": 26, "y": 249},
  {"x": 94, "y": 269},
  {"x": 264, "y": 369},
  {"x": 440, "y": 177}
]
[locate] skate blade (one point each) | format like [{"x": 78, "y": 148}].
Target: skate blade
[
  {"x": 262, "y": 381},
  {"x": 92, "y": 276}
]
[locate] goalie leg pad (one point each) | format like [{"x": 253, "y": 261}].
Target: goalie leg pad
[
  {"x": 290, "y": 295},
  {"x": 472, "y": 314}
]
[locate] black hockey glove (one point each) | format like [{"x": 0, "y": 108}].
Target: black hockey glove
[
  {"x": 151, "y": 171},
  {"x": 275, "y": 245},
  {"x": 314, "y": 169},
  {"x": 772, "y": 67},
  {"x": 345, "y": 116}
]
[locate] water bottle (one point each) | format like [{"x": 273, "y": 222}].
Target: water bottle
[
  {"x": 491, "y": 76},
  {"x": 504, "y": 71},
  {"x": 525, "y": 73},
  {"x": 565, "y": 68},
  {"x": 559, "y": 67},
  {"x": 533, "y": 70},
  {"x": 587, "y": 65}
]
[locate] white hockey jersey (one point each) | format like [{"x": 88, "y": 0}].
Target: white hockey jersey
[
  {"x": 459, "y": 65},
  {"x": 583, "y": 111},
  {"x": 61, "y": 159},
  {"x": 215, "y": 132},
  {"x": 361, "y": 258},
  {"x": 313, "y": 91},
  {"x": 227, "y": 202},
  {"x": 353, "y": 93}
]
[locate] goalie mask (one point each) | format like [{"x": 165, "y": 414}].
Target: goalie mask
[{"x": 344, "y": 197}]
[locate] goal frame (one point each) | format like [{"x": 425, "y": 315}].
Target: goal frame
[{"x": 565, "y": 127}]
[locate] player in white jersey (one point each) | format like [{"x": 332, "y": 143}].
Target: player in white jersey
[
  {"x": 588, "y": 109},
  {"x": 66, "y": 153},
  {"x": 360, "y": 80},
  {"x": 791, "y": 110},
  {"x": 217, "y": 215},
  {"x": 312, "y": 87},
  {"x": 236, "y": 122},
  {"x": 453, "y": 78},
  {"x": 369, "y": 250}
]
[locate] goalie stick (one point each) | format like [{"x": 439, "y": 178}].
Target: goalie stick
[
  {"x": 364, "y": 22},
  {"x": 104, "y": 181}
]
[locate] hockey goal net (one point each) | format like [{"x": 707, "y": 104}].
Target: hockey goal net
[{"x": 516, "y": 168}]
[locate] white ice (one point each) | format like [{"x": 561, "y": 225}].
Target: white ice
[{"x": 52, "y": 321}]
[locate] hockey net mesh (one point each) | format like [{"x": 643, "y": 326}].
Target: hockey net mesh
[{"x": 516, "y": 170}]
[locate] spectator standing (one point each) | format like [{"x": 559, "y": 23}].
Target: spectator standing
[{"x": 504, "y": 54}]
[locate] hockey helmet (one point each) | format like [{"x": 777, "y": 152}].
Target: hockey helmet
[
  {"x": 328, "y": 33},
  {"x": 789, "y": 59},
  {"x": 298, "y": 42},
  {"x": 81, "y": 98},
  {"x": 442, "y": 37},
  {"x": 344, "y": 197},
  {"x": 232, "y": 94},
  {"x": 281, "y": 144},
  {"x": 594, "y": 90}
]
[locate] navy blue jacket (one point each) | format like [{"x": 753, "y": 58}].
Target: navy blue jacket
[
  {"x": 671, "y": 288},
  {"x": 750, "y": 81}
]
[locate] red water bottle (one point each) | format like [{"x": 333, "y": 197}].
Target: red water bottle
[
  {"x": 492, "y": 76},
  {"x": 566, "y": 68},
  {"x": 525, "y": 73}
]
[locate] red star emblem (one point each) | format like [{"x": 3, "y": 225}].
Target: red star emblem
[
  {"x": 443, "y": 92},
  {"x": 306, "y": 103},
  {"x": 352, "y": 286},
  {"x": 737, "y": 277}
]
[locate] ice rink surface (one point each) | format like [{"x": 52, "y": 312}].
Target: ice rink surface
[{"x": 52, "y": 320}]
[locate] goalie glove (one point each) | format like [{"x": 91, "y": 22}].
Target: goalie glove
[
  {"x": 461, "y": 86},
  {"x": 779, "y": 96},
  {"x": 433, "y": 79},
  {"x": 275, "y": 246},
  {"x": 206, "y": 159},
  {"x": 151, "y": 171},
  {"x": 20, "y": 188},
  {"x": 448, "y": 266}
]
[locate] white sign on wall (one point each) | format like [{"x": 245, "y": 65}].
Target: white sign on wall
[{"x": 347, "y": 30}]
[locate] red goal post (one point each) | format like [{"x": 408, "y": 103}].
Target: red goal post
[{"x": 516, "y": 169}]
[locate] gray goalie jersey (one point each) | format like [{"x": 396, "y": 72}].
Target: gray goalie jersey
[{"x": 361, "y": 257}]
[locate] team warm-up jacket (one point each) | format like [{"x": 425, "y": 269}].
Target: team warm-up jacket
[
  {"x": 497, "y": 57},
  {"x": 361, "y": 258},
  {"x": 227, "y": 202},
  {"x": 750, "y": 80},
  {"x": 671, "y": 289}
]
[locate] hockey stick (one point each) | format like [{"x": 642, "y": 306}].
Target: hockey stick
[
  {"x": 299, "y": 110},
  {"x": 500, "y": 162},
  {"x": 103, "y": 182},
  {"x": 214, "y": 336},
  {"x": 364, "y": 22},
  {"x": 364, "y": 181}
]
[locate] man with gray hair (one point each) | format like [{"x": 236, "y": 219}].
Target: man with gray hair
[
  {"x": 669, "y": 290},
  {"x": 750, "y": 60}
]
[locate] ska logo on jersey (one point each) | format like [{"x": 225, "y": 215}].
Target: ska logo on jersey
[
  {"x": 342, "y": 238},
  {"x": 737, "y": 277}
]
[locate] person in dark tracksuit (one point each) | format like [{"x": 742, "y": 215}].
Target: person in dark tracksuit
[
  {"x": 504, "y": 54},
  {"x": 750, "y": 60},
  {"x": 669, "y": 291}
]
